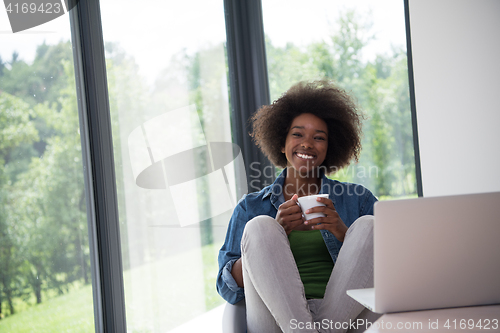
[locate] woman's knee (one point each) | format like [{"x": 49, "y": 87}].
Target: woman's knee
[
  {"x": 363, "y": 226},
  {"x": 261, "y": 231},
  {"x": 261, "y": 225}
]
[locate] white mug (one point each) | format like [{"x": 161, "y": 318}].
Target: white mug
[{"x": 308, "y": 202}]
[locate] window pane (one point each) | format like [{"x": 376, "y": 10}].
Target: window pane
[
  {"x": 361, "y": 45},
  {"x": 45, "y": 275},
  {"x": 167, "y": 80}
]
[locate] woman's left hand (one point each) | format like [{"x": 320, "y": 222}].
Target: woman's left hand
[{"x": 331, "y": 221}]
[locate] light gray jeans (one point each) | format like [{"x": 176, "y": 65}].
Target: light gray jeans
[{"x": 274, "y": 293}]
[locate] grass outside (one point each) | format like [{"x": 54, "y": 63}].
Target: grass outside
[{"x": 71, "y": 312}]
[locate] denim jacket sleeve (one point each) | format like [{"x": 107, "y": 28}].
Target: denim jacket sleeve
[{"x": 229, "y": 253}]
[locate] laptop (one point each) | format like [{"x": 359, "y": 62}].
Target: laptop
[{"x": 432, "y": 253}]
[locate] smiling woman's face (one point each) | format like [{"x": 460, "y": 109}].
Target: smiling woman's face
[{"x": 306, "y": 143}]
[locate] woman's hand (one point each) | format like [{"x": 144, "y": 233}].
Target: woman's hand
[
  {"x": 289, "y": 214},
  {"x": 331, "y": 222}
]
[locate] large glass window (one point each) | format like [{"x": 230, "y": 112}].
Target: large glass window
[
  {"x": 362, "y": 46},
  {"x": 45, "y": 275},
  {"x": 174, "y": 157}
]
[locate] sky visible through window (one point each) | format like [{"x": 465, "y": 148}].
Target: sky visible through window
[{"x": 318, "y": 22}]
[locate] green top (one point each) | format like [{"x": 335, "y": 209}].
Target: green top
[{"x": 313, "y": 261}]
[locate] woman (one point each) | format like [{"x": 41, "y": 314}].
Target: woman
[{"x": 293, "y": 272}]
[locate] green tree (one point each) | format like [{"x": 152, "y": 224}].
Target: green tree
[
  {"x": 27, "y": 214},
  {"x": 16, "y": 129},
  {"x": 290, "y": 64},
  {"x": 63, "y": 194}
]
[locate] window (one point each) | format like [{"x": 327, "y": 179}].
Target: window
[
  {"x": 44, "y": 242},
  {"x": 169, "y": 102}
]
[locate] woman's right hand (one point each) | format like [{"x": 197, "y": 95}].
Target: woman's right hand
[{"x": 289, "y": 214}]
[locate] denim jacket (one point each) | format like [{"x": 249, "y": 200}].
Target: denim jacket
[{"x": 350, "y": 200}]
